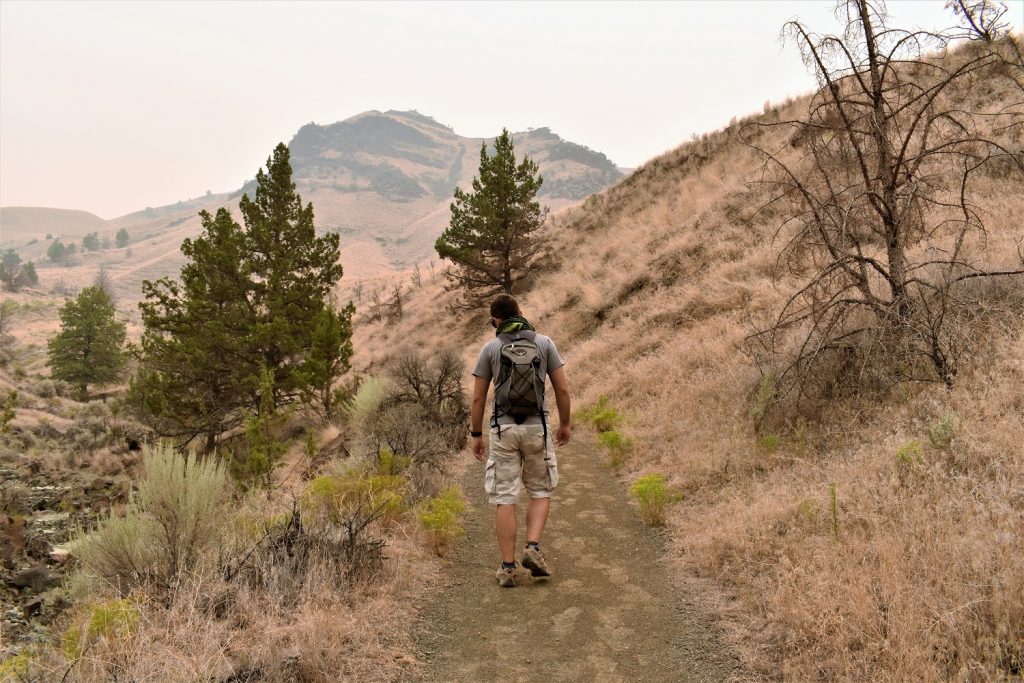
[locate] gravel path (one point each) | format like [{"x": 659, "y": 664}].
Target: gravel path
[{"x": 611, "y": 612}]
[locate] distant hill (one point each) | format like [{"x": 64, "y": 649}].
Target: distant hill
[
  {"x": 19, "y": 224},
  {"x": 382, "y": 180}
]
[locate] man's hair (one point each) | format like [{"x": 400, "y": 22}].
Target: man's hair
[{"x": 504, "y": 307}]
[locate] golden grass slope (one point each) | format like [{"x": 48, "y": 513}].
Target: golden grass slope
[
  {"x": 20, "y": 224},
  {"x": 915, "y": 572}
]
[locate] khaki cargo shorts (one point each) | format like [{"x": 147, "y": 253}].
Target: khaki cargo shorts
[{"x": 521, "y": 457}]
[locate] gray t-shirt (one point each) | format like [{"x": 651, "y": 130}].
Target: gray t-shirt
[{"x": 488, "y": 365}]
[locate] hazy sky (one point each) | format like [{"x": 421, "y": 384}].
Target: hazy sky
[{"x": 111, "y": 107}]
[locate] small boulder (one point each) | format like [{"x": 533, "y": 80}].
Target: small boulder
[
  {"x": 33, "y": 608},
  {"x": 36, "y": 579},
  {"x": 99, "y": 483},
  {"x": 60, "y": 555}
]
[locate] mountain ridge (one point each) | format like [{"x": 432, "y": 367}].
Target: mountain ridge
[{"x": 383, "y": 180}]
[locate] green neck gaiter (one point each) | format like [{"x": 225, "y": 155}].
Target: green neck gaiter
[{"x": 514, "y": 324}]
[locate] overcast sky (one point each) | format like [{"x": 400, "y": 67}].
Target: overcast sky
[{"x": 111, "y": 107}]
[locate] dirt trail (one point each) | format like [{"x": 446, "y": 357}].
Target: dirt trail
[{"x": 610, "y": 613}]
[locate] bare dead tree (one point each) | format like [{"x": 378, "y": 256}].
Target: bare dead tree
[
  {"x": 376, "y": 304},
  {"x": 104, "y": 281},
  {"x": 434, "y": 383},
  {"x": 417, "y": 280},
  {"x": 395, "y": 309},
  {"x": 983, "y": 19},
  {"x": 883, "y": 228}
]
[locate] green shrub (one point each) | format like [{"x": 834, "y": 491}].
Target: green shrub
[
  {"x": 45, "y": 388},
  {"x": 602, "y": 415},
  {"x": 173, "y": 518},
  {"x": 366, "y": 401},
  {"x": 908, "y": 457},
  {"x": 617, "y": 444},
  {"x": 7, "y": 411},
  {"x": 763, "y": 397},
  {"x": 769, "y": 443},
  {"x": 334, "y": 499},
  {"x": 19, "y": 667},
  {"x": 388, "y": 463},
  {"x": 116, "y": 619},
  {"x": 805, "y": 510},
  {"x": 441, "y": 518},
  {"x": 909, "y": 454},
  {"x": 653, "y": 497},
  {"x": 942, "y": 433}
]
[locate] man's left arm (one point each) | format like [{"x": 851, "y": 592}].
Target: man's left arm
[{"x": 561, "y": 386}]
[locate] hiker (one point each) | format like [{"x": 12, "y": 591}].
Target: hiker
[{"x": 518, "y": 360}]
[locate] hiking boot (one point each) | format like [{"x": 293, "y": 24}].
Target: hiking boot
[
  {"x": 506, "y": 577},
  {"x": 533, "y": 559}
]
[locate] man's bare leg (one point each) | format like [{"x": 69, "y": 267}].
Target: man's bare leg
[
  {"x": 536, "y": 517},
  {"x": 505, "y": 522}
]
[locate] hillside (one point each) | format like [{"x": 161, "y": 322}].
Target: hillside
[
  {"x": 382, "y": 180},
  {"x": 871, "y": 534},
  {"x": 875, "y": 539},
  {"x": 21, "y": 224}
]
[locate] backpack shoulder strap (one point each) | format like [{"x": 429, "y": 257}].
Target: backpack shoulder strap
[{"x": 509, "y": 337}]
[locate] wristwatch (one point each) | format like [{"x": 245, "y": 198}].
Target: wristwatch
[{"x": 475, "y": 434}]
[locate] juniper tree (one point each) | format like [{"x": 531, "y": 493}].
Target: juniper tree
[
  {"x": 88, "y": 350},
  {"x": 56, "y": 251},
  {"x": 10, "y": 266},
  {"x": 492, "y": 238},
  {"x": 28, "y": 274},
  {"x": 251, "y": 303},
  {"x": 190, "y": 379}
]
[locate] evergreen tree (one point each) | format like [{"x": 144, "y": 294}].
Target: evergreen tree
[
  {"x": 28, "y": 275},
  {"x": 121, "y": 238},
  {"x": 251, "y": 303},
  {"x": 188, "y": 383},
  {"x": 292, "y": 271},
  {"x": 10, "y": 266},
  {"x": 88, "y": 349},
  {"x": 91, "y": 242},
  {"x": 56, "y": 251},
  {"x": 491, "y": 238}
]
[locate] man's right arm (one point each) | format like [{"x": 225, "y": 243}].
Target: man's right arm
[{"x": 476, "y": 415}]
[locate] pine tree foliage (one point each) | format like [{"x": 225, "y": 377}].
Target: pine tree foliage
[
  {"x": 89, "y": 349},
  {"x": 492, "y": 238},
  {"x": 251, "y": 299},
  {"x": 56, "y": 252},
  {"x": 10, "y": 266}
]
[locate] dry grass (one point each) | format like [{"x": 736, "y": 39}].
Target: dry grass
[
  {"x": 925, "y": 582},
  {"x": 654, "y": 287},
  {"x": 221, "y": 631},
  {"x": 306, "y": 623}
]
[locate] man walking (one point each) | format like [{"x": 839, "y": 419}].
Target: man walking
[{"x": 518, "y": 360}]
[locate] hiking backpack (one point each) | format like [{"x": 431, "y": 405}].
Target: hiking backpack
[{"x": 519, "y": 391}]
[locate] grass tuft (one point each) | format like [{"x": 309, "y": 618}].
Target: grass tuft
[
  {"x": 441, "y": 518},
  {"x": 653, "y": 497},
  {"x": 617, "y": 444}
]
